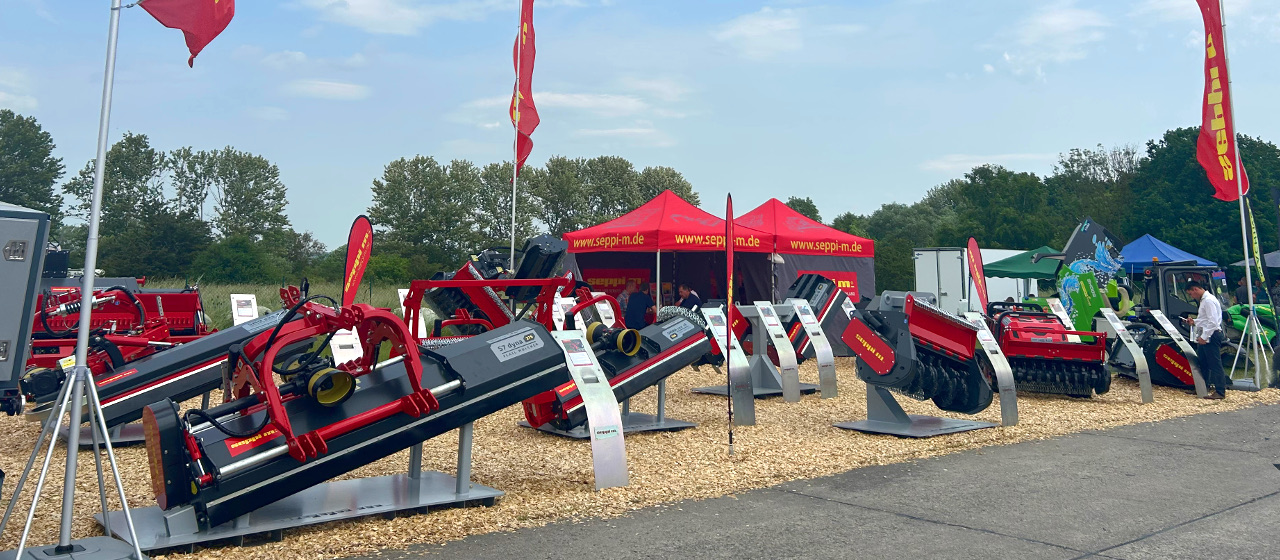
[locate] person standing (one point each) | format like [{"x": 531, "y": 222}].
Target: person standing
[
  {"x": 1207, "y": 332},
  {"x": 639, "y": 304},
  {"x": 626, "y": 295},
  {"x": 688, "y": 299},
  {"x": 1242, "y": 292}
]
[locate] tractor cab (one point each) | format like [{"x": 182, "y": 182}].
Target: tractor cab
[{"x": 1164, "y": 288}]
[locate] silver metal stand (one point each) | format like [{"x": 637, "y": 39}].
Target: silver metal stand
[
  {"x": 632, "y": 422},
  {"x": 1252, "y": 344},
  {"x": 999, "y": 368},
  {"x": 766, "y": 380},
  {"x": 885, "y": 416},
  {"x": 79, "y": 389},
  {"x": 415, "y": 491}
]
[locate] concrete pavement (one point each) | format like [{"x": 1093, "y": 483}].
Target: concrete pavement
[{"x": 1200, "y": 487}]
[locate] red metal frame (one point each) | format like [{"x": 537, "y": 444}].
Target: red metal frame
[
  {"x": 562, "y": 285},
  {"x": 939, "y": 331},
  {"x": 373, "y": 326},
  {"x": 1030, "y": 334}
]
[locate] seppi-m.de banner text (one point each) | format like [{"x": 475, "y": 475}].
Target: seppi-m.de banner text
[{"x": 1216, "y": 147}]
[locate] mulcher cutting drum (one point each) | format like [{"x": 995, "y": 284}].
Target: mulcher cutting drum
[
  {"x": 223, "y": 476},
  {"x": 1043, "y": 355},
  {"x": 914, "y": 348}
]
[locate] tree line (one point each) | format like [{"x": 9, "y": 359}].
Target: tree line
[
  {"x": 1161, "y": 191},
  {"x": 218, "y": 215}
]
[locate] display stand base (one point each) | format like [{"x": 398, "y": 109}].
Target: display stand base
[
  {"x": 885, "y": 416},
  {"x": 632, "y": 423},
  {"x": 92, "y": 548},
  {"x": 332, "y": 501},
  {"x": 765, "y": 381},
  {"x": 121, "y": 436}
]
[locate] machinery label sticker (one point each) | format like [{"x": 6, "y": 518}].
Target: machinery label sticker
[
  {"x": 769, "y": 315},
  {"x": 607, "y": 432},
  {"x": 1175, "y": 363},
  {"x": 577, "y": 351},
  {"x": 870, "y": 348},
  {"x": 237, "y": 446},
  {"x": 264, "y": 322},
  {"x": 678, "y": 329},
  {"x": 515, "y": 344},
  {"x": 806, "y": 315}
]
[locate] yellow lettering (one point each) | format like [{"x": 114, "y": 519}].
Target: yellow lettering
[
  {"x": 1214, "y": 98},
  {"x": 1209, "y": 50},
  {"x": 1228, "y": 172},
  {"x": 1222, "y": 142}
]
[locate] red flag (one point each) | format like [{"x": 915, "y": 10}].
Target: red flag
[
  {"x": 1216, "y": 147},
  {"x": 199, "y": 20},
  {"x": 524, "y": 116},
  {"x": 359, "y": 246},
  {"x": 976, "y": 272}
]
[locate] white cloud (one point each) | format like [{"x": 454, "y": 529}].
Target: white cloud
[
  {"x": 600, "y": 103},
  {"x": 646, "y": 135},
  {"x": 763, "y": 34},
  {"x": 491, "y": 125},
  {"x": 407, "y": 17},
  {"x": 268, "y": 113},
  {"x": 988, "y": 68},
  {"x": 1054, "y": 34},
  {"x": 17, "y": 102},
  {"x": 15, "y": 88},
  {"x": 284, "y": 60},
  {"x": 322, "y": 89},
  {"x": 662, "y": 88},
  {"x": 961, "y": 163}
]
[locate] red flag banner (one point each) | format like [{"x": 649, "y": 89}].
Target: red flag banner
[
  {"x": 524, "y": 115},
  {"x": 1216, "y": 147},
  {"x": 199, "y": 20},
  {"x": 359, "y": 246},
  {"x": 976, "y": 272}
]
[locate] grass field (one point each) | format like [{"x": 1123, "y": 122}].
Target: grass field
[{"x": 217, "y": 297}]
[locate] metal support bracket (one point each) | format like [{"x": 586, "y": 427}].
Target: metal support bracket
[
  {"x": 740, "y": 388},
  {"x": 1193, "y": 359},
  {"x": 1139, "y": 359},
  {"x": 608, "y": 447},
  {"x": 767, "y": 330},
  {"x": 822, "y": 351},
  {"x": 885, "y": 416},
  {"x": 1000, "y": 365}
]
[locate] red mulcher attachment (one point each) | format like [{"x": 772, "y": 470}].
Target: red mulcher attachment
[
  {"x": 1043, "y": 355},
  {"x": 905, "y": 344}
]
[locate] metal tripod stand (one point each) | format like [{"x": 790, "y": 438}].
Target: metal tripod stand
[{"x": 1251, "y": 338}]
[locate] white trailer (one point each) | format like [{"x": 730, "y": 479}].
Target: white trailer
[{"x": 944, "y": 271}]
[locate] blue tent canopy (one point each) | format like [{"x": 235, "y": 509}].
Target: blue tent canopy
[{"x": 1138, "y": 254}]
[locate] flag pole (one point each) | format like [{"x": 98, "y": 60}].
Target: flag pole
[
  {"x": 515, "y": 146},
  {"x": 1244, "y": 232},
  {"x": 79, "y": 382}
]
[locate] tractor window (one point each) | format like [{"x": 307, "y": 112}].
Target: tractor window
[{"x": 1176, "y": 284}]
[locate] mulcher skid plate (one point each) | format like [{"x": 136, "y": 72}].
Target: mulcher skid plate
[
  {"x": 1043, "y": 356},
  {"x": 909, "y": 346},
  {"x": 667, "y": 346}
]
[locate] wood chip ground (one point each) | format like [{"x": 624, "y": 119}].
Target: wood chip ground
[{"x": 549, "y": 479}]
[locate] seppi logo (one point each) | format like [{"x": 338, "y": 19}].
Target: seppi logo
[
  {"x": 1175, "y": 363},
  {"x": 869, "y": 347},
  {"x": 237, "y": 446}
]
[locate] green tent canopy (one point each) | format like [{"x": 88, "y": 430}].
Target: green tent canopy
[{"x": 1020, "y": 266}]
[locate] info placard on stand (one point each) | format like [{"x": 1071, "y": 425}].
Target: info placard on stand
[
  {"x": 604, "y": 421},
  {"x": 767, "y": 380},
  {"x": 821, "y": 347},
  {"x": 1186, "y": 349},
  {"x": 244, "y": 308},
  {"x": 743, "y": 396},
  {"x": 1140, "y": 366}
]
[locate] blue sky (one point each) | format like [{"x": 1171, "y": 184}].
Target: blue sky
[{"x": 854, "y": 104}]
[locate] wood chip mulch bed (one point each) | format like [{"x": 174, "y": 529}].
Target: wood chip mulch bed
[{"x": 549, "y": 479}]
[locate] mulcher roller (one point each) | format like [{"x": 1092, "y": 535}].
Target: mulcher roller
[{"x": 920, "y": 351}]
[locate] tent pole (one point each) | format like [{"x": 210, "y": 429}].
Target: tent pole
[{"x": 657, "y": 279}]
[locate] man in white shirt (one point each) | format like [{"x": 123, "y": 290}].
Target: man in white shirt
[{"x": 1206, "y": 331}]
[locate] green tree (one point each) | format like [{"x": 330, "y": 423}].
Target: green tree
[
  {"x": 160, "y": 247},
  {"x": 805, "y": 206},
  {"x": 193, "y": 175},
  {"x": 493, "y": 208},
  {"x": 849, "y": 222},
  {"x": 249, "y": 198},
  {"x": 427, "y": 209},
  {"x": 133, "y": 186},
  {"x": 236, "y": 259},
  {"x": 1093, "y": 184},
  {"x": 1002, "y": 209},
  {"x": 653, "y": 180},
  {"x": 1173, "y": 198},
  {"x": 898, "y": 229},
  {"x": 28, "y": 170}
]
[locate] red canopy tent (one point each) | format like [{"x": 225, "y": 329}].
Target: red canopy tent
[
  {"x": 667, "y": 224},
  {"x": 805, "y": 245}
]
